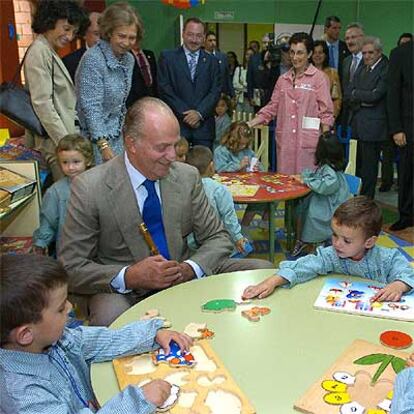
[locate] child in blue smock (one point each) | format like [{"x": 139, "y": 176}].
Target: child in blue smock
[
  {"x": 329, "y": 190},
  {"x": 218, "y": 195},
  {"x": 356, "y": 225},
  {"x": 75, "y": 155},
  {"x": 222, "y": 119},
  {"x": 403, "y": 392}
]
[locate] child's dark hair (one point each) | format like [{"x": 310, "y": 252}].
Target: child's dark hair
[
  {"x": 26, "y": 281},
  {"x": 227, "y": 100},
  {"x": 200, "y": 157},
  {"x": 238, "y": 130},
  {"x": 330, "y": 151},
  {"x": 76, "y": 142},
  {"x": 360, "y": 213}
]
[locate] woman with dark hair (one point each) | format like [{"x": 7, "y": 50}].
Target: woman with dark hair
[
  {"x": 51, "y": 88},
  {"x": 240, "y": 84},
  {"x": 233, "y": 63},
  {"x": 320, "y": 58},
  {"x": 303, "y": 107},
  {"x": 103, "y": 80}
]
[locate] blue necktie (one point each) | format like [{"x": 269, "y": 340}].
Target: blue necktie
[
  {"x": 153, "y": 219},
  {"x": 332, "y": 57},
  {"x": 192, "y": 64}
]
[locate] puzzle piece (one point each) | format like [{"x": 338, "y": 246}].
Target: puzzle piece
[
  {"x": 219, "y": 305},
  {"x": 171, "y": 400},
  {"x": 176, "y": 358},
  {"x": 198, "y": 331},
  {"x": 155, "y": 314},
  {"x": 254, "y": 314}
]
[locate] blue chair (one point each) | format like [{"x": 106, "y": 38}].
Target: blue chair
[{"x": 354, "y": 184}]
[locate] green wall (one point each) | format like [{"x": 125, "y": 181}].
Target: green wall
[{"x": 386, "y": 19}]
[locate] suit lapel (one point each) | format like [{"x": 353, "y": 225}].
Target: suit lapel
[
  {"x": 201, "y": 65},
  {"x": 182, "y": 61}
]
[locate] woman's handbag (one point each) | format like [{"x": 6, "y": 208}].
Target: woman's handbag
[{"x": 15, "y": 104}]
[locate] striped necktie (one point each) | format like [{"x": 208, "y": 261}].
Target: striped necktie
[{"x": 192, "y": 64}]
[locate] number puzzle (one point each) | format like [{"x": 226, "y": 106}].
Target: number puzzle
[{"x": 204, "y": 389}]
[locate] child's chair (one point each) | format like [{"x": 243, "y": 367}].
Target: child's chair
[
  {"x": 354, "y": 183},
  {"x": 261, "y": 145}
]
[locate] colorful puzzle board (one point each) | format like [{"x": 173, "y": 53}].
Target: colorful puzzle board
[
  {"x": 340, "y": 295},
  {"x": 346, "y": 387},
  {"x": 203, "y": 387}
]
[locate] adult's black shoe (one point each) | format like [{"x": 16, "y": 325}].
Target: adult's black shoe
[
  {"x": 401, "y": 225},
  {"x": 384, "y": 188}
]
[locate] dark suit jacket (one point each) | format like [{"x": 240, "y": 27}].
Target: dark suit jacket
[
  {"x": 342, "y": 54},
  {"x": 400, "y": 91},
  {"x": 101, "y": 236},
  {"x": 72, "y": 60},
  {"x": 181, "y": 93},
  {"x": 227, "y": 84},
  {"x": 138, "y": 87},
  {"x": 368, "y": 102}
]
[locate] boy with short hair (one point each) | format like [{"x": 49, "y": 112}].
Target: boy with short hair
[
  {"x": 44, "y": 367},
  {"x": 356, "y": 225}
]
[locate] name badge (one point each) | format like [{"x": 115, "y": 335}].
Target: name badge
[{"x": 310, "y": 122}]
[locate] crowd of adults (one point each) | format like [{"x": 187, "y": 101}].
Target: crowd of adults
[{"x": 308, "y": 86}]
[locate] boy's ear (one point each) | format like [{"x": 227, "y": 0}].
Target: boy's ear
[
  {"x": 369, "y": 243},
  {"x": 23, "y": 335}
]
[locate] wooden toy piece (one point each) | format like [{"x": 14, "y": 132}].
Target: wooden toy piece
[
  {"x": 155, "y": 314},
  {"x": 254, "y": 314},
  {"x": 219, "y": 305},
  {"x": 396, "y": 339},
  {"x": 176, "y": 358},
  {"x": 193, "y": 329},
  {"x": 360, "y": 381},
  {"x": 206, "y": 333},
  {"x": 171, "y": 400}
]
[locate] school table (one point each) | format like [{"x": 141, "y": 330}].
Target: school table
[
  {"x": 268, "y": 188},
  {"x": 275, "y": 360}
]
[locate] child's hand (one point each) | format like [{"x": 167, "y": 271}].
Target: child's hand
[
  {"x": 244, "y": 163},
  {"x": 298, "y": 177},
  {"x": 107, "y": 154},
  {"x": 392, "y": 292},
  {"x": 164, "y": 337},
  {"x": 157, "y": 391},
  {"x": 240, "y": 245},
  {"x": 39, "y": 251},
  {"x": 410, "y": 361},
  {"x": 264, "y": 288}
]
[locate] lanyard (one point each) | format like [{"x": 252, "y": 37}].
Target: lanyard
[{"x": 61, "y": 362}]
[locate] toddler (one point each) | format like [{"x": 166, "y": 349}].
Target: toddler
[
  {"x": 181, "y": 149},
  {"x": 45, "y": 367},
  {"x": 75, "y": 155},
  {"x": 403, "y": 396},
  {"x": 222, "y": 118},
  {"x": 218, "y": 194},
  {"x": 329, "y": 190},
  {"x": 356, "y": 225}
]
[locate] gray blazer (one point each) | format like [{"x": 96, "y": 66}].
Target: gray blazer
[{"x": 101, "y": 235}]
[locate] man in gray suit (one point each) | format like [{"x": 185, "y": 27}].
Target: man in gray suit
[{"x": 102, "y": 249}]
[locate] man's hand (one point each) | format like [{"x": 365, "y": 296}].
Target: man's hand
[
  {"x": 157, "y": 391},
  {"x": 192, "y": 118},
  {"x": 164, "y": 337},
  {"x": 392, "y": 292},
  {"x": 153, "y": 272},
  {"x": 400, "y": 139},
  {"x": 187, "y": 273}
]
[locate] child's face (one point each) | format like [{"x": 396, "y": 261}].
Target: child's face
[
  {"x": 181, "y": 152},
  {"x": 54, "y": 318},
  {"x": 243, "y": 143},
  {"x": 350, "y": 242},
  {"x": 221, "y": 107},
  {"x": 72, "y": 162}
]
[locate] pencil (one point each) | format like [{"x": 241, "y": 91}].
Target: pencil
[{"x": 148, "y": 239}]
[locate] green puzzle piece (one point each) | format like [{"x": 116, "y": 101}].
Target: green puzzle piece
[{"x": 219, "y": 305}]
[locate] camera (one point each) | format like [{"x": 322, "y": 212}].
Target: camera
[{"x": 277, "y": 46}]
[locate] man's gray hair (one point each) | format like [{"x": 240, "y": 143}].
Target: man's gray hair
[
  {"x": 355, "y": 25},
  {"x": 373, "y": 40},
  {"x": 135, "y": 117}
]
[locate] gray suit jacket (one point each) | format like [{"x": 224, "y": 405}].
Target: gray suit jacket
[{"x": 101, "y": 235}]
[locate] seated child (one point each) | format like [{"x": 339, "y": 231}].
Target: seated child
[
  {"x": 75, "y": 155},
  {"x": 403, "y": 393},
  {"x": 329, "y": 190},
  {"x": 234, "y": 154},
  {"x": 45, "y": 367},
  {"x": 218, "y": 194},
  {"x": 356, "y": 225},
  {"x": 181, "y": 149},
  {"x": 222, "y": 119}
]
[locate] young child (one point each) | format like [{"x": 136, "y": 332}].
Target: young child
[
  {"x": 181, "y": 150},
  {"x": 234, "y": 154},
  {"x": 75, "y": 155},
  {"x": 329, "y": 190},
  {"x": 219, "y": 196},
  {"x": 356, "y": 225},
  {"x": 403, "y": 393},
  {"x": 45, "y": 367},
  {"x": 222, "y": 118}
]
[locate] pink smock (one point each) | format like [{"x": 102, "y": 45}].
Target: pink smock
[{"x": 298, "y": 106}]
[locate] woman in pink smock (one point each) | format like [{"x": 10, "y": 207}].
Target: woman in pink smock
[{"x": 302, "y": 104}]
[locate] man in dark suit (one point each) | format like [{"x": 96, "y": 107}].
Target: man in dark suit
[
  {"x": 338, "y": 50},
  {"x": 210, "y": 46},
  {"x": 367, "y": 98},
  {"x": 91, "y": 37},
  {"x": 401, "y": 125},
  {"x": 108, "y": 259},
  {"x": 189, "y": 82}
]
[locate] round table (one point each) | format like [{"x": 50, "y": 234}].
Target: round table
[{"x": 275, "y": 360}]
